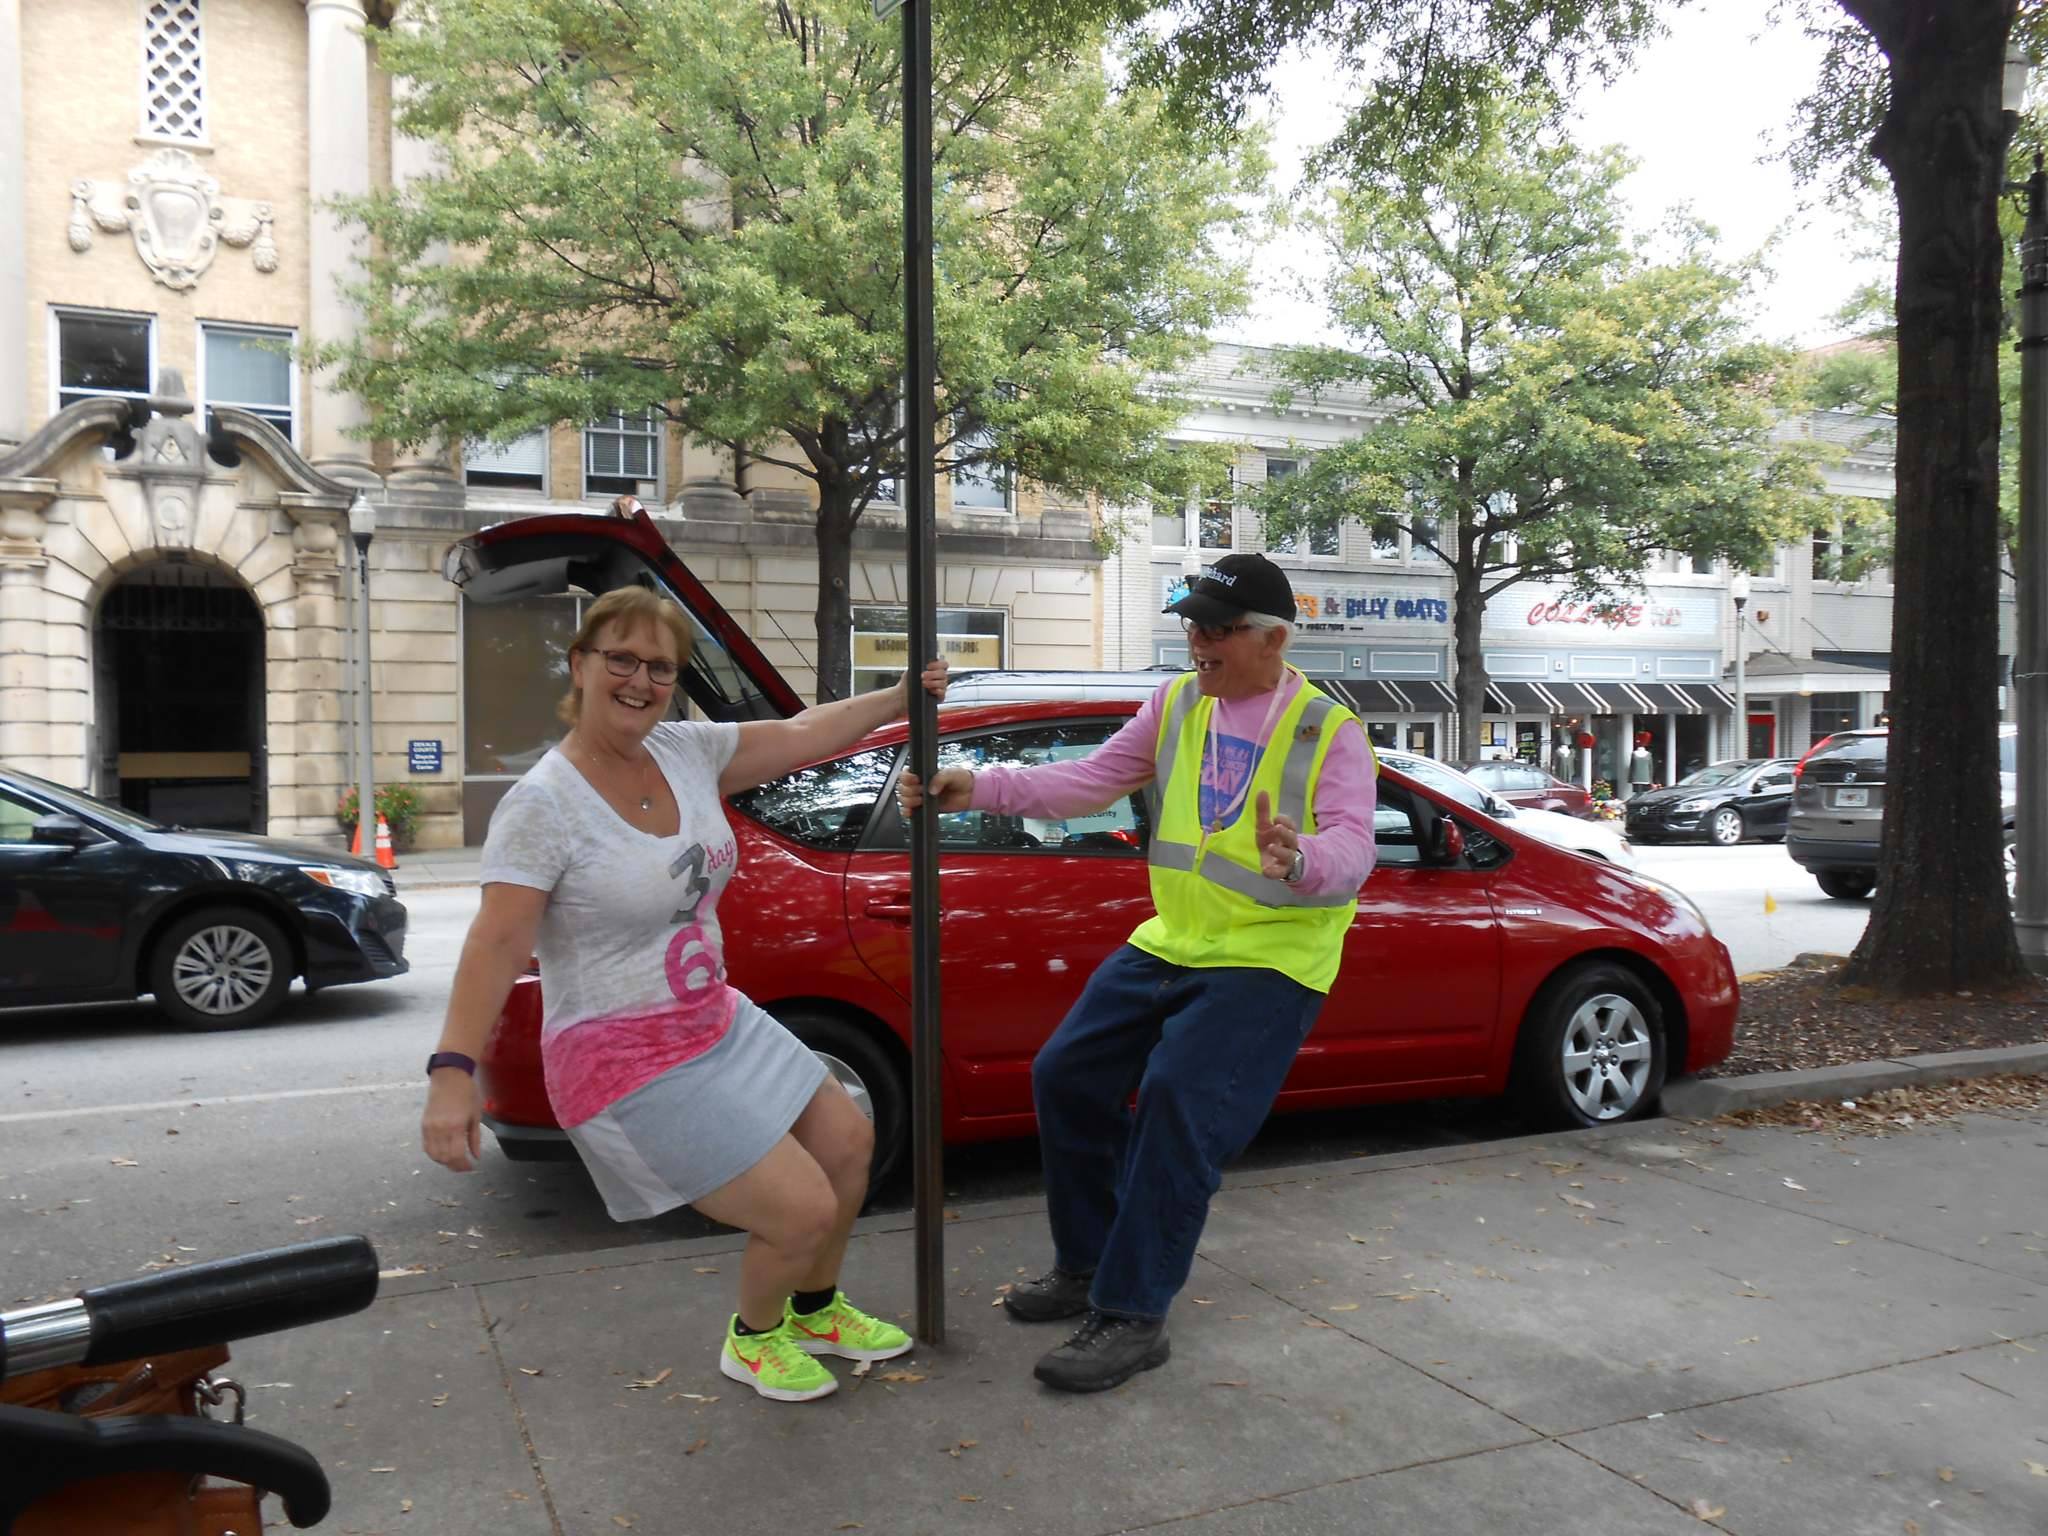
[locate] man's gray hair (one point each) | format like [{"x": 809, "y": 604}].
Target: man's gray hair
[{"x": 1268, "y": 621}]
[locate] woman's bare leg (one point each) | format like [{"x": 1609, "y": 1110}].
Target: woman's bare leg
[
  {"x": 841, "y": 1140},
  {"x": 790, "y": 1212}
]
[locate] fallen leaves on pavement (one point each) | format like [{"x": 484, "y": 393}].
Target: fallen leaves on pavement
[{"x": 1897, "y": 1110}]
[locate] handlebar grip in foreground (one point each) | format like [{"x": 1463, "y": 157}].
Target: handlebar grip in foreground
[
  {"x": 211, "y": 1303},
  {"x": 228, "y": 1299}
]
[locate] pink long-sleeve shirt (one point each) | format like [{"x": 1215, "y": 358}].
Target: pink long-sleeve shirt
[{"x": 1337, "y": 856}]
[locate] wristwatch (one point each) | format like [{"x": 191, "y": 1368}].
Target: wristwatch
[{"x": 1293, "y": 875}]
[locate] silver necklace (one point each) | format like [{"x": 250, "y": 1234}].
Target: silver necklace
[{"x": 647, "y": 802}]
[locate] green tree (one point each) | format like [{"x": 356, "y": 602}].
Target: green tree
[
  {"x": 1911, "y": 85},
  {"x": 1562, "y": 405},
  {"x": 694, "y": 207}
]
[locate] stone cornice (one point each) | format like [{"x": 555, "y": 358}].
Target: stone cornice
[{"x": 106, "y": 415}]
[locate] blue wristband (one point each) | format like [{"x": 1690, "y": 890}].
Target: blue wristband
[{"x": 451, "y": 1059}]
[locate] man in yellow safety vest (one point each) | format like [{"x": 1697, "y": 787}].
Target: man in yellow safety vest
[{"x": 1260, "y": 789}]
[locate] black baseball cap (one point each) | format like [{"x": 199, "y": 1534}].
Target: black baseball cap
[{"x": 1236, "y": 585}]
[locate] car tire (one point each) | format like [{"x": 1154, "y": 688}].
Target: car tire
[
  {"x": 1564, "y": 1074},
  {"x": 868, "y": 1070},
  {"x": 1846, "y": 884},
  {"x": 220, "y": 968},
  {"x": 1724, "y": 827}
]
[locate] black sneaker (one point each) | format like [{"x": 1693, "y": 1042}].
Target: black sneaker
[
  {"x": 1106, "y": 1352},
  {"x": 1052, "y": 1296}
]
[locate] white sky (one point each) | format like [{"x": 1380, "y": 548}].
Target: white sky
[{"x": 1695, "y": 113}]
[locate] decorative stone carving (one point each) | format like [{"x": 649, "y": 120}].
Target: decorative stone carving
[
  {"x": 170, "y": 460},
  {"x": 177, "y": 217}
]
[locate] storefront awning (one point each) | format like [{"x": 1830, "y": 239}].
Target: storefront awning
[
  {"x": 1508, "y": 698},
  {"x": 1382, "y": 696},
  {"x": 1529, "y": 699}
]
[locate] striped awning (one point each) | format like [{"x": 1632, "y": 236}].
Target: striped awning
[
  {"x": 1387, "y": 696},
  {"x": 1511, "y": 698}
]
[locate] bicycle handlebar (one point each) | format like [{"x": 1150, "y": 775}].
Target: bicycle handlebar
[{"x": 211, "y": 1303}]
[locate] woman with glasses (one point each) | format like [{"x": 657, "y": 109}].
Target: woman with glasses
[{"x": 607, "y": 860}]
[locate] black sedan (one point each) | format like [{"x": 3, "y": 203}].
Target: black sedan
[
  {"x": 1721, "y": 804},
  {"x": 98, "y": 904}
]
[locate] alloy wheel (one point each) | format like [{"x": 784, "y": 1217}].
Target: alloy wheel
[
  {"x": 222, "y": 971},
  {"x": 1726, "y": 828},
  {"x": 1607, "y": 1056}
]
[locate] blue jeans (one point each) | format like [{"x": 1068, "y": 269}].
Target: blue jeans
[{"x": 1205, "y": 1051}]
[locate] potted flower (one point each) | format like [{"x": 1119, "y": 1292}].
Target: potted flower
[{"x": 398, "y": 804}]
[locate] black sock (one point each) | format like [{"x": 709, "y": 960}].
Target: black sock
[
  {"x": 804, "y": 1303},
  {"x": 739, "y": 1326}
]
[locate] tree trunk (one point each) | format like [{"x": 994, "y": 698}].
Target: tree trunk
[
  {"x": 1940, "y": 922},
  {"x": 1468, "y": 616},
  {"x": 834, "y": 615}
]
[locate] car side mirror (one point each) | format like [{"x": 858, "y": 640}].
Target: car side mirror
[
  {"x": 1500, "y": 810},
  {"x": 61, "y": 831},
  {"x": 1446, "y": 841}
]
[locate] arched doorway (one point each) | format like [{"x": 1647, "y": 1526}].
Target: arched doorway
[{"x": 178, "y": 675}]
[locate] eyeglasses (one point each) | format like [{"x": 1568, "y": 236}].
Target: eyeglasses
[
  {"x": 1216, "y": 634},
  {"x": 660, "y": 671}
]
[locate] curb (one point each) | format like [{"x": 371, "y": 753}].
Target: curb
[{"x": 1695, "y": 1098}]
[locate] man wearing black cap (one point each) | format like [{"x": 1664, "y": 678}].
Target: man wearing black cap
[{"x": 1260, "y": 792}]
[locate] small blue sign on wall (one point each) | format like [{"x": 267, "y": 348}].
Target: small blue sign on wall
[{"x": 423, "y": 757}]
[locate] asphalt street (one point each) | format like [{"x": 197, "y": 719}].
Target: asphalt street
[{"x": 125, "y": 1143}]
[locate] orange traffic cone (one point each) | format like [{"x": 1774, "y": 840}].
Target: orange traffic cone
[{"x": 385, "y": 857}]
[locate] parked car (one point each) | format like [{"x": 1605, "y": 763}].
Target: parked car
[
  {"x": 98, "y": 904},
  {"x": 1525, "y": 784},
  {"x": 1837, "y": 822},
  {"x": 1722, "y": 804},
  {"x": 1482, "y": 961}
]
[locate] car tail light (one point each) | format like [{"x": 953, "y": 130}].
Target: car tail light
[{"x": 1800, "y": 767}]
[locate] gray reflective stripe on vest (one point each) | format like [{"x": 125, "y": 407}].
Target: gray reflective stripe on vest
[
  {"x": 1235, "y": 878},
  {"x": 1301, "y": 758},
  {"x": 1184, "y": 701}
]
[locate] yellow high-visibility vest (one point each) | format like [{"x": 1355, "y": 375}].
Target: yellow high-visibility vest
[{"x": 1215, "y": 907}]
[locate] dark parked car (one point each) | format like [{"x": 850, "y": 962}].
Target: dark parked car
[
  {"x": 1722, "y": 804},
  {"x": 1482, "y": 960},
  {"x": 98, "y": 904},
  {"x": 1837, "y": 819},
  {"x": 1526, "y": 785}
]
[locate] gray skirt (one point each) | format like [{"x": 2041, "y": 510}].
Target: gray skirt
[{"x": 699, "y": 1126}]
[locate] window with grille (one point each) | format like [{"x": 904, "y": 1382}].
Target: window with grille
[
  {"x": 252, "y": 369},
  {"x": 173, "y": 71},
  {"x": 622, "y": 454},
  {"x": 103, "y": 354}
]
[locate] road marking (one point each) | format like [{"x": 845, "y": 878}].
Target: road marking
[{"x": 230, "y": 1098}]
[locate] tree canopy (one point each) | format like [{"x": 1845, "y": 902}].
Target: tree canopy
[
  {"x": 694, "y": 207},
  {"x": 1562, "y": 403}
]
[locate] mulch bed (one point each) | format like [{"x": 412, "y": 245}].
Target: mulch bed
[{"x": 1803, "y": 1017}]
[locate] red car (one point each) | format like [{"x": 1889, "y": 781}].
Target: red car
[
  {"x": 1482, "y": 961},
  {"x": 1527, "y": 785}
]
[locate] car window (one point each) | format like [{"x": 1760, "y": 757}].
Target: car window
[
  {"x": 825, "y": 806},
  {"x": 1774, "y": 778},
  {"x": 18, "y": 819},
  {"x": 1118, "y": 832},
  {"x": 1864, "y": 754},
  {"x": 1526, "y": 778},
  {"x": 2008, "y": 754},
  {"x": 1445, "y": 781},
  {"x": 1400, "y": 825}
]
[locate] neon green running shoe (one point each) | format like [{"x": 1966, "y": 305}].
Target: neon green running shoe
[
  {"x": 774, "y": 1365},
  {"x": 840, "y": 1328}
]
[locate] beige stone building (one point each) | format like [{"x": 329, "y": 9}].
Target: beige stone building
[{"x": 177, "y": 602}]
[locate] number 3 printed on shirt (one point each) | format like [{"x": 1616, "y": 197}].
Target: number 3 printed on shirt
[{"x": 690, "y": 964}]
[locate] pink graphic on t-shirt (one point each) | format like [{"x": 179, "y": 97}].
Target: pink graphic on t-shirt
[{"x": 596, "y": 1063}]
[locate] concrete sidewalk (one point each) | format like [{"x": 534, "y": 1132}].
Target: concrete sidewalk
[
  {"x": 427, "y": 868},
  {"x": 1626, "y": 1331}
]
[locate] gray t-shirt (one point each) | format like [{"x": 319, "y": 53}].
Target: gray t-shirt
[{"x": 631, "y": 959}]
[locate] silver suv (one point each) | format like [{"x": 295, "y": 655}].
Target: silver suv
[{"x": 1837, "y": 818}]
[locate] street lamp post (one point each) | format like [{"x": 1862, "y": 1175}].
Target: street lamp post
[
  {"x": 362, "y": 527},
  {"x": 2030, "y": 674},
  {"x": 1738, "y": 588}
]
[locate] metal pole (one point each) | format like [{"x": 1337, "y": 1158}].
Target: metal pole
[
  {"x": 921, "y": 372},
  {"x": 366, "y": 791},
  {"x": 2030, "y": 674},
  {"x": 1741, "y": 684}
]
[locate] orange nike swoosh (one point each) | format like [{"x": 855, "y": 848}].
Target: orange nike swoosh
[
  {"x": 829, "y": 1338},
  {"x": 753, "y": 1365}
]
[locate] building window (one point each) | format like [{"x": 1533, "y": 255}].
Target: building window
[
  {"x": 1823, "y": 554},
  {"x": 970, "y": 639},
  {"x": 103, "y": 354},
  {"x": 1831, "y": 712},
  {"x": 520, "y": 465},
  {"x": 173, "y": 71},
  {"x": 1169, "y": 526},
  {"x": 249, "y": 368},
  {"x": 1426, "y": 529},
  {"x": 1386, "y": 539},
  {"x": 1320, "y": 542},
  {"x": 1219, "y": 516},
  {"x": 622, "y": 454},
  {"x": 983, "y": 486}
]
